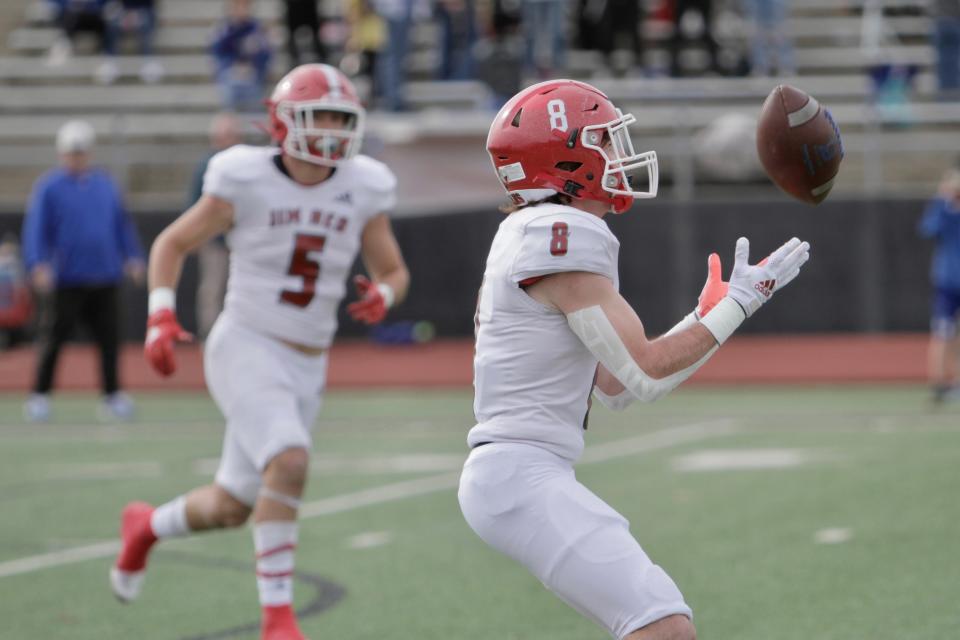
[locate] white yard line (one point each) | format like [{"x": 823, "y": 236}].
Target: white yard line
[
  {"x": 59, "y": 558},
  {"x": 657, "y": 440},
  {"x": 662, "y": 439},
  {"x": 379, "y": 495}
]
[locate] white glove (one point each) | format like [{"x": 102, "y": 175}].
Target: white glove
[{"x": 752, "y": 285}]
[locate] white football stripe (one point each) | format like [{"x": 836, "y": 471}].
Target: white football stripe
[
  {"x": 804, "y": 114},
  {"x": 333, "y": 81},
  {"x": 826, "y": 186}
]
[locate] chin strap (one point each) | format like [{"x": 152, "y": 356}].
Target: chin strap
[{"x": 621, "y": 204}]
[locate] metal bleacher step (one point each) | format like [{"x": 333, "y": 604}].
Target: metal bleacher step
[
  {"x": 652, "y": 120},
  {"x": 40, "y": 12},
  {"x": 116, "y": 98},
  {"x": 35, "y": 40},
  {"x": 137, "y": 98},
  {"x": 822, "y": 7},
  {"x": 857, "y": 88},
  {"x": 79, "y": 69}
]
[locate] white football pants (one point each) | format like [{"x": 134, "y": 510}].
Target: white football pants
[
  {"x": 526, "y": 502},
  {"x": 269, "y": 394}
]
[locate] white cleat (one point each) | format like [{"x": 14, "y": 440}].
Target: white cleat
[
  {"x": 37, "y": 408},
  {"x": 117, "y": 407},
  {"x": 126, "y": 585}
]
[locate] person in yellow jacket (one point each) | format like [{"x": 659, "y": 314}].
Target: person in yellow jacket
[{"x": 368, "y": 34}]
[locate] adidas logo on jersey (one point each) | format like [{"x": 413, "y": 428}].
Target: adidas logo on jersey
[
  {"x": 346, "y": 197},
  {"x": 766, "y": 287}
]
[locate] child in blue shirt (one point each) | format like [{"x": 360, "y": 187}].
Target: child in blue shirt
[{"x": 941, "y": 222}]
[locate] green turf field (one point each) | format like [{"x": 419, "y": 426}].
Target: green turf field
[{"x": 781, "y": 513}]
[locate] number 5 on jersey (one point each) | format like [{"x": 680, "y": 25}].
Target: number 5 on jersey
[{"x": 301, "y": 264}]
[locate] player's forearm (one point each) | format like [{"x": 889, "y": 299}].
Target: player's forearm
[
  {"x": 675, "y": 350},
  {"x": 672, "y": 353},
  {"x": 166, "y": 262}
]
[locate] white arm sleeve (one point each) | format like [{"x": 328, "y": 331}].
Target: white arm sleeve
[
  {"x": 624, "y": 399},
  {"x": 618, "y": 402},
  {"x": 596, "y": 332}
]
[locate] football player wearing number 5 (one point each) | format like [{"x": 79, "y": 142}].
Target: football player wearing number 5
[
  {"x": 295, "y": 218},
  {"x": 552, "y": 329}
]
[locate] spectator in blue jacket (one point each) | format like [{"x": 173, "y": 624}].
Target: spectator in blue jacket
[
  {"x": 78, "y": 242},
  {"x": 941, "y": 222},
  {"x": 241, "y": 52}
]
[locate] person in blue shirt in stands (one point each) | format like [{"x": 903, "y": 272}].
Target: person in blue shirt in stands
[
  {"x": 941, "y": 222},
  {"x": 241, "y": 52},
  {"x": 78, "y": 242}
]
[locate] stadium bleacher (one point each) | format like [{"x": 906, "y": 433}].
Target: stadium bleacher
[{"x": 158, "y": 130}]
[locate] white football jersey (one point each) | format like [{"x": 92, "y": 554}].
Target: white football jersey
[
  {"x": 532, "y": 375},
  {"x": 292, "y": 246}
]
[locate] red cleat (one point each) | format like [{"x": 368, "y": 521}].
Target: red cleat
[
  {"x": 280, "y": 623},
  {"x": 136, "y": 537}
]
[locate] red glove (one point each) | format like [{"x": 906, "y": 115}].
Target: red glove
[
  {"x": 372, "y": 306},
  {"x": 163, "y": 331},
  {"x": 714, "y": 290}
]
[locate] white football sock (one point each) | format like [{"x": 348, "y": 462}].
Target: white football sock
[
  {"x": 275, "y": 543},
  {"x": 170, "y": 520}
]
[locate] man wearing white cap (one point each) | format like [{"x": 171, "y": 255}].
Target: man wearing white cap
[{"x": 78, "y": 242}]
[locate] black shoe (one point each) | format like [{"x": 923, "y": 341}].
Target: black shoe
[{"x": 945, "y": 393}]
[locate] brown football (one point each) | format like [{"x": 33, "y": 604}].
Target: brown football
[{"x": 799, "y": 144}]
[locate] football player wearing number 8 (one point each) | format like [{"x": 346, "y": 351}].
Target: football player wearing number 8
[
  {"x": 294, "y": 218},
  {"x": 552, "y": 329}
]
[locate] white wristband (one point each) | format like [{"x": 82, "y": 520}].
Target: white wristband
[
  {"x": 724, "y": 319},
  {"x": 161, "y": 298},
  {"x": 389, "y": 297}
]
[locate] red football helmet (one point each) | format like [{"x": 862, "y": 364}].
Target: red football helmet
[
  {"x": 305, "y": 91},
  {"x": 564, "y": 136}
]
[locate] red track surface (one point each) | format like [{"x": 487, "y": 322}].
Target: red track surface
[{"x": 846, "y": 358}]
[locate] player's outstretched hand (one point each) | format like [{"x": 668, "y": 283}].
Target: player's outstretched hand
[
  {"x": 714, "y": 289},
  {"x": 752, "y": 285},
  {"x": 163, "y": 331},
  {"x": 371, "y": 308}
]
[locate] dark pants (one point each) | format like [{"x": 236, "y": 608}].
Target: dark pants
[
  {"x": 303, "y": 13},
  {"x": 622, "y": 16},
  {"x": 457, "y": 37},
  {"x": 947, "y": 40},
  {"x": 706, "y": 37},
  {"x": 76, "y": 21},
  {"x": 368, "y": 67},
  {"x": 97, "y": 308}
]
